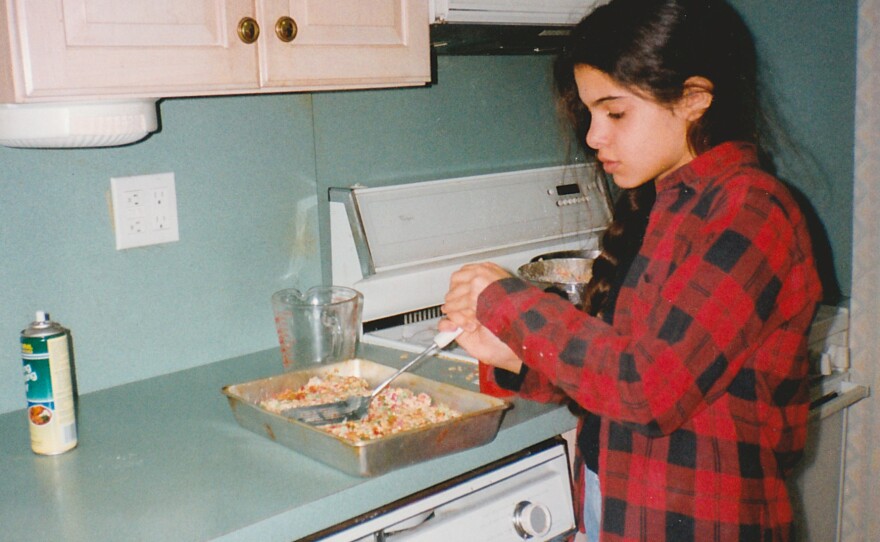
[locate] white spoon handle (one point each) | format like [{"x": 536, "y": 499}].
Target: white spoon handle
[{"x": 445, "y": 338}]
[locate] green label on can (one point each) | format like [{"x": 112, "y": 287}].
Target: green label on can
[{"x": 37, "y": 372}]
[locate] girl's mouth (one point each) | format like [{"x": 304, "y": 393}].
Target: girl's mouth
[{"x": 610, "y": 166}]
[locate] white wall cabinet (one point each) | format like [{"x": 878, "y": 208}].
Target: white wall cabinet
[
  {"x": 345, "y": 43},
  {"x": 57, "y": 50}
]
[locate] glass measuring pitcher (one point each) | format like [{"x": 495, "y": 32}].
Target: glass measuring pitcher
[{"x": 322, "y": 325}]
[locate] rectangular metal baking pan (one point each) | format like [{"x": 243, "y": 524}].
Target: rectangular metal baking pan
[{"x": 478, "y": 425}]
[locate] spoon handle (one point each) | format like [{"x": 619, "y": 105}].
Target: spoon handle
[
  {"x": 441, "y": 341},
  {"x": 445, "y": 338}
]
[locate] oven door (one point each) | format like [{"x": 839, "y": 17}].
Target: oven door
[{"x": 526, "y": 496}]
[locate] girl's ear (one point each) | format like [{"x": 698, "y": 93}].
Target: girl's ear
[{"x": 696, "y": 99}]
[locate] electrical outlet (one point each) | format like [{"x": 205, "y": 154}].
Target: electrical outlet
[{"x": 144, "y": 210}]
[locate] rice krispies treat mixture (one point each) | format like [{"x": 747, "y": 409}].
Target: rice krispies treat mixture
[{"x": 392, "y": 411}]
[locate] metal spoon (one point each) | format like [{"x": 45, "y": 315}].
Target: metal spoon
[{"x": 357, "y": 406}]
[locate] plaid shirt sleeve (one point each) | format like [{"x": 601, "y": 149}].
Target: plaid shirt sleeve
[{"x": 701, "y": 381}]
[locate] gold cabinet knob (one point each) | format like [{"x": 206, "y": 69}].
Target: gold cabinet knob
[
  {"x": 248, "y": 30},
  {"x": 285, "y": 29}
]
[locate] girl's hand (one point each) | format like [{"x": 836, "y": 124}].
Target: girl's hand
[
  {"x": 460, "y": 308},
  {"x": 485, "y": 346},
  {"x": 465, "y": 286}
]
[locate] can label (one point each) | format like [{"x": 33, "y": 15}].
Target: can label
[{"x": 49, "y": 389}]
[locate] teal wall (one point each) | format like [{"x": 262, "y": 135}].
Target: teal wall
[
  {"x": 248, "y": 173},
  {"x": 242, "y": 165},
  {"x": 252, "y": 173},
  {"x": 808, "y": 50}
]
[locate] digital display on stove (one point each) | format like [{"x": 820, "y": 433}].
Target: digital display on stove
[{"x": 568, "y": 189}]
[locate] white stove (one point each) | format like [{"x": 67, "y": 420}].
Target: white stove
[{"x": 398, "y": 245}]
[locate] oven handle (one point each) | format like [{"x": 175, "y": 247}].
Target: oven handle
[
  {"x": 844, "y": 395},
  {"x": 406, "y": 525}
]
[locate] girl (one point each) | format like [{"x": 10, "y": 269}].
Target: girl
[{"x": 692, "y": 352}]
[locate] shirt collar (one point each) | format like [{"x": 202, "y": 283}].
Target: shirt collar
[{"x": 706, "y": 167}]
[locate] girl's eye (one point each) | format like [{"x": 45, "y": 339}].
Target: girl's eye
[{"x": 615, "y": 116}]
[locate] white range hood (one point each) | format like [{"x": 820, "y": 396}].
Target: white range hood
[
  {"x": 77, "y": 124},
  {"x": 530, "y": 12}
]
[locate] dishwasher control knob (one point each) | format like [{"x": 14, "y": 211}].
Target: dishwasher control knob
[{"x": 531, "y": 519}]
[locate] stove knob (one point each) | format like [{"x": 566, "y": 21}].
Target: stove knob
[{"x": 531, "y": 519}]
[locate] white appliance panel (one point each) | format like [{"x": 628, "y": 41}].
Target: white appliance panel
[
  {"x": 485, "y": 507},
  {"x": 399, "y": 244},
  {"x": 440, "y": 220}
]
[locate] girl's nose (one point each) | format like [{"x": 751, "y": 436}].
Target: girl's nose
[{"x": 595, "y": 135}]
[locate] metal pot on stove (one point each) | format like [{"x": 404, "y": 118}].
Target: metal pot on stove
[{"x": 565, "y": 273}]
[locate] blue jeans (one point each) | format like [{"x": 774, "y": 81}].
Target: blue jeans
[{"x": 592, "y": 505}]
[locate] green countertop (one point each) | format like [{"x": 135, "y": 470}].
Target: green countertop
[{"x": 163, "y": 459}]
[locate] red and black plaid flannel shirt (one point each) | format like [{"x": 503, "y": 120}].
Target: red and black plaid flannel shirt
[{"x": 701, "y": 380}]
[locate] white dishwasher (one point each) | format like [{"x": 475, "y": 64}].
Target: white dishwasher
[{"x": 524, "y": 497}]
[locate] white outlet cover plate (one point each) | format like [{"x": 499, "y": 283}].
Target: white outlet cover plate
[{"x": 144, "y": 210}]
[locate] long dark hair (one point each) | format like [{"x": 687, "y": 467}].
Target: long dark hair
[{"x": 654, "y": 47}]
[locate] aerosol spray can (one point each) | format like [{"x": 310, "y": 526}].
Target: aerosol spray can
[{"x": 45, "y": 353}]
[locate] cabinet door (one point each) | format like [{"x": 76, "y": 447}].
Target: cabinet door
[
  {"x": 345, "y": 43},
  {"x": 145, "y": 48}
]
